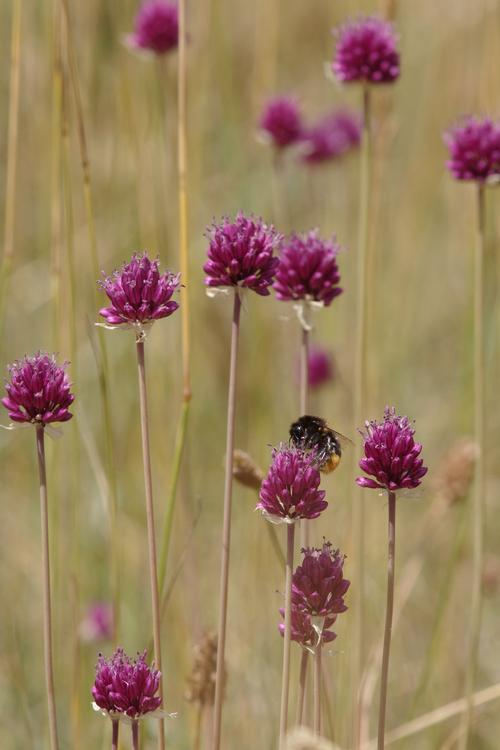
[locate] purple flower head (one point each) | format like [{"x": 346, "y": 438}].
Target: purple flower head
[
  {"x": 334, "y": 135},
  {"x": 392, "y": 457},
  {"x": 39, "y": 391},
  {"x": 366, "y": 51},
  {"x": 126, "y": 686},
  {"x": 474, "y": 148},
  {"x": 98, "y": 622},
  {"x": 308, "y": 269},
  {"x": 318, "y": 585},
  {"x": 303, "y": 631},
  {"x": 320, "y": 367},
  {"x": 291, "y": 488},
  {"x": 281, "y": 121},
  {"x": 156, "y": 27},
  {"x": 138, "y": 293},
  {"x": 240, "y": 254}
]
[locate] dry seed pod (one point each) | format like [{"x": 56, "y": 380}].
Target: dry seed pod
[
  {"x": 201, "y": 681},
  {"x": 454, "y": 475},
  {"x": 246, "y": 471}
]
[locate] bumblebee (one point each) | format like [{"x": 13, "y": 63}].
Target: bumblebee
[{"x": 313, "y": 433}]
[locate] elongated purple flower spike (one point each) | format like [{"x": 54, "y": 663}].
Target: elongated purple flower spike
[
  {"x": 318, "y": 585},
  {"x": 290, "y": 490},
  {"x": 392, "y": 457},
  {"x": 281, "y": 121},
  {"x": 333, "y": 136},
  {"x": 303, "y": 631},
  {"x": 138, "y": 293},
  {"x": 474, "y": 147},
  {"x": 308, "y": 269},
  {"x": 125, "y": 686},
  {"x": 240, "y": 254},
  {"x": 39, "y": 391},
  {"x": 156, "y": 27},
  {"x": 366, "y": 51}
]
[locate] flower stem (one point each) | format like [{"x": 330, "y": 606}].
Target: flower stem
[
  {"x": 360, "y": 377},
  {"x": 388, "y": 619},
  {"x": 10, "y": 172},
  {"x": 285, "y": 683},
  {"x": 226, "y": 527},
  {"x": 114, "y": 734},
  {"x": 304, "y": 661},
  {"x": 197, "y": 729},
  {"x": 184, "y": 292},
  {"x": 148, "y": 484},
  {"x": 479, "y": 475},
  {"x": 317, "y": 688},
  {"x": 135, "y": 735},
  {"x": 303, "y": 399},
  {"x": 47, "y": 613}
]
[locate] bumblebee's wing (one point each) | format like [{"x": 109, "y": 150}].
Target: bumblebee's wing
[{"x": 344, "y": 441}]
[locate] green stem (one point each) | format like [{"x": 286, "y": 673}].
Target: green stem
[
  {"x": 169, "y": 515},
  {"x": 478, "y": 514}
]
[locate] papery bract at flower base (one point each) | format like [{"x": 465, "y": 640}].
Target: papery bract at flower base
[
  {"x": 282, "y": 122},
  {"x": 126, "y": 686},
  {"x": 39, "y": 391},
  {"x": 156, "y": 27},
  {"x": 138, "y": 293},
  {"x": 366, "y": 51},
  {"x": 474, "y": 148},
  {"x": 240, "y": 254},
  {"x": 318, "y": 584},
  {"x": 308, "y": 269},
  {"x": 303, "y": 631},
  {"x": 290, "y": 491},
  {"x": 392, "y": 457}
]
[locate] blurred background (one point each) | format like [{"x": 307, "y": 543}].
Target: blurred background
[{"x": 420, "y": 354}]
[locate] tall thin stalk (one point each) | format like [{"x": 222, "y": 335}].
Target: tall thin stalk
[
  {"x": 388, "y": 619},
  {"x": 10, "y": 172},
  {"x": 47, "y": 611},
  {"x": 135, "y": 734},
  {"x": 102, "y": 361},
  {"x": 114, "y": 734},
  {"x": 148, "y": 485},
  {"x": 304, "y": 661},
  {"x": 226, "y": 526},
  {"x": 317, "y": 687},
  {"x": 478, "y": 510},
  {"x": 185, "y": 304},
  {"x": 303, "y": 398},
  {"x": 360, "y": 373},
  {"x": 287, "y": 635}
]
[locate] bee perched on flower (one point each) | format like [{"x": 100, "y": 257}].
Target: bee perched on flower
[{"x": 139, "y": 294}]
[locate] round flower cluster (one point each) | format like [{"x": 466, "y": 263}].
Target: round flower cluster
[
  {"x": 39, "y": 391},
  {"x": 366, "y": 51},
  {"x": 126, "y": 687},
  {"x": 474, "y": 148},
  {"x": 290, "y": 490},
  {"x": 138, "y": 293},
  {"x": 318, "y": 585},
  {"x": 156, "y": 27},
  {"x": 392, "y": 457},
  {"x": 281, "y": 121},
  {"x": 308, "y": 269},
  {"x": 240, "y": 254}
]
